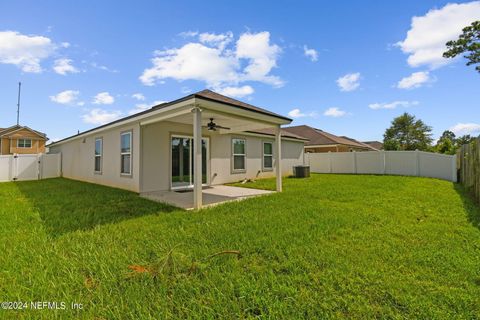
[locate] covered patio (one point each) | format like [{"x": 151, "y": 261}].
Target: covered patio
[
  {"x": 193, "y": 135},
  {"x": 211, "y": 196}
]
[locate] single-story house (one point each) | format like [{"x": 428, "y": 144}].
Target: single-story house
[
  {"x": 375, "y": 144},
  {"x": 322, "y": 141},
  {"x": 19, "y": 139},
  {"x": 157, "y": 149}
]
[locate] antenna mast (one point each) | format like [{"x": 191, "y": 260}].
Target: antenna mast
[{"x": 18, "y": 103}]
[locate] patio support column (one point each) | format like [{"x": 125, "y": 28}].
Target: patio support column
[
  {"x": 278, "y": 158},
  {"x": 197, "y": 158}
]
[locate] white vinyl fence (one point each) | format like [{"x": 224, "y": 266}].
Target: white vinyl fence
[
  {"x": 407, "y": 163},
  {"x": 29, "y": 167}
]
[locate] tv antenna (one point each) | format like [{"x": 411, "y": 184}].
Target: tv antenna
[{"x": 18, "y": 103}]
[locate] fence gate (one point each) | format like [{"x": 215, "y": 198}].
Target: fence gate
[{"x": 23, "y": 167}]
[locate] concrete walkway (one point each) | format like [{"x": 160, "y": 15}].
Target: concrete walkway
[{"x": 212, "y": 195}]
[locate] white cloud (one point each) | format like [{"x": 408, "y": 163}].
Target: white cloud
[
  {"x": 217, "y": 40},
  {"x": 66, "y": 97},
  {"x": 100, "y": 116},
  {"x": 297, "y": 113},
  {"x": 349, "y": 82},
  {"x": 193, "y": 61},
  {"x": 425, "y": 41},
  {"x": 187, "y": 34},
  {"x": 103, "y": 98},
  {"x": 334, "y": 112},
  {"x": 310, "y": 53},
  {"x": 104, "y": 68},
  {"x": 262, "y": 57},
  {"x": 64, "y": 66},
  {"x": 461, "y": 129},
  {"x": 252, "y": 59},
  {"x": 392, "y": 105},
  {"x": 236, "y": 92},
  {"x": 26, "y": 52},
  {"x": 415, "y": 80},
  {"x": 138, "y": 96}
]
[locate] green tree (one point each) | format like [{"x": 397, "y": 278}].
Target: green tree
[
  {"x": 468, "y": 42},
  {"x": 465, "y": 139},
  {"x": 446, "y": 143},
  {"x": 407, "y": 133}
]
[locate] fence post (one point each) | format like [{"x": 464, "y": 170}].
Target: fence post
[
  {"x": 417, "y": 163},
  {"x": 384, "y": 162},
  {"x": 10, "y": 168},
  {"x": 15, "y": 167},
  {"x": 329, "y": 161},
  {"x": 462, "y": 164},
  {"x": 354, "y": 162},
  {"x": 39, "y": 166},
  {"x": 454, "y": 168}
]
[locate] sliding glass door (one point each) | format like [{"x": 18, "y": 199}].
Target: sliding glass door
[{"x": 182, "y": 162}]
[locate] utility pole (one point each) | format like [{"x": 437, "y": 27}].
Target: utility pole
[{"x": 18, "y": 103}]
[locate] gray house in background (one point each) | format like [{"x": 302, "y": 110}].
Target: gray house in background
[{"x": 199, "y": 140}]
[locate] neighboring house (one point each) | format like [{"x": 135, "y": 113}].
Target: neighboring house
[
  {"x": 21, "y": 140},
  {"x": 156, "y": 149},
  {"x": 321, "y": 141},
  {"x": 375, "y": 144}
]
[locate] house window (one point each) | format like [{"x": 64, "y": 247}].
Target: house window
[
  {"x": 238, "y": 155},
  {"x": 24, "y": 143},
  {"x": 267, "y": 156},
  {"x": 126, "y": 153},
  {"x": 98, "y": 154}
]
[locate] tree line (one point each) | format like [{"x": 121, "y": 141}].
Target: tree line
[{"x": 406, "y": 132}]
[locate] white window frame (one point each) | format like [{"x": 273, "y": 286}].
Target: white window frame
[
  {"x": 125, "y": 174},
  {"x": 244, "y": 154},
  {"x": 264, "y": 168},
  {"x": 98, "y": 156},
  {"x": 24, "y": 140}
]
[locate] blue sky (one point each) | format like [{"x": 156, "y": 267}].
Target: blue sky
[{"x": 345, "y": 67}]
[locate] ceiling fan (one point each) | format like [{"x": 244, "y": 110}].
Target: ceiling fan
[{"x": 212, "y": 126}]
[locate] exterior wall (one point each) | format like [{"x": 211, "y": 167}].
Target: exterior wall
[
  {"x": 78, "y": 159},
  {"x": 5, "y": 146},
  {"x": 38, "y": 146},
  {"x": 156, "y": 156},
  {"x": 9, "y": 144}
]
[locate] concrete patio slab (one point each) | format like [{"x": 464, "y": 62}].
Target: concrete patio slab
[{"x": 212, "y": 195}]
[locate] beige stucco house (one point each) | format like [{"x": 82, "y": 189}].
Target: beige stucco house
[{"x": 157, "y": 149}]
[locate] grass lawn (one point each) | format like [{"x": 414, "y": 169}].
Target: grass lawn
[{"x": 331, "y": 246}]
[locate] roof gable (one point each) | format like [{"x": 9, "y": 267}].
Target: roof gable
[{"x": 15, "y": 129}]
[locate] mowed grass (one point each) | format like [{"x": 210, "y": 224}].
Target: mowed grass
[{"x": 331, "y": 246}]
